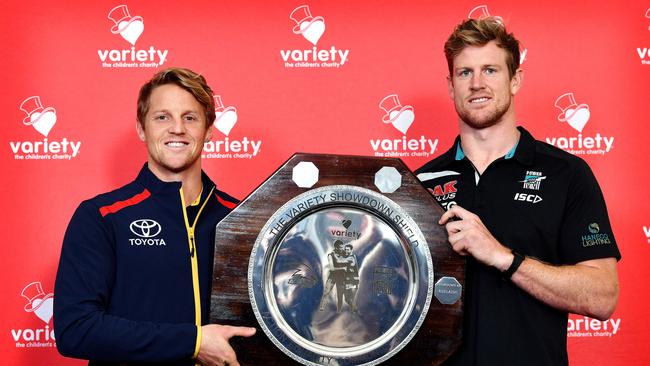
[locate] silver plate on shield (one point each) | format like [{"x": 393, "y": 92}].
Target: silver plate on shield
[{"x": 340, "y": 275}]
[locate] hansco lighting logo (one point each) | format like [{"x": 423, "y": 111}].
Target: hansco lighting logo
[
  {"x": 576, "y": 116},
  {"x": 401, "y": 118},
  {"x": 482, "y": 12},
  {"x": 42, "y": 119},
  {"x": 146, "y": 230},
  {"x": 129, "y": 28},
  {"x": 41, "y": 305},
  {"x": 311, "y": 29},
  {"x": 644, "y": 53},
  {"x": 227, "y": 148}
]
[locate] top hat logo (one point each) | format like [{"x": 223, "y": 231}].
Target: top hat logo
[
  {"x": 576, "y": 115},
  {"x": 38, "y": 302},
  {"x": 226, "y": 117},
  {"x": 42, "y": 119},
  {"x": 482, "y": 12},
  {"x": 130, "y": 28},
  {"x": 400, "y": 117},
  {"x": 312, "y": 28}
]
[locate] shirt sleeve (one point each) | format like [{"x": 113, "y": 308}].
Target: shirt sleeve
[
  {"x": 84, "y": 281},
  {"x": 586, "y": 232}
]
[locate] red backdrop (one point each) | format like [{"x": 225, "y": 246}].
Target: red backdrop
[{"x": 71, "y": 73}]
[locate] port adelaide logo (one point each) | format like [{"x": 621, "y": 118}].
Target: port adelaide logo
[
  {"x": 532, "y": 181},
  {"x": 146, "y": 231}
]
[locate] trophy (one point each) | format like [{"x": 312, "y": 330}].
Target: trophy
[{"x": 339, "y": 260}]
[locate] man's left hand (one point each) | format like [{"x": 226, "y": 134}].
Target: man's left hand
[{"x": 468, "y": 235}]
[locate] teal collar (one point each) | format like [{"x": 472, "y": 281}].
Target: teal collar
[{"x": 460, "y": 155}]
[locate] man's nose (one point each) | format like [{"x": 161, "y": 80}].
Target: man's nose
[
  {"x": 177, "y": 126},
  {"x": 477, "y": 82}
]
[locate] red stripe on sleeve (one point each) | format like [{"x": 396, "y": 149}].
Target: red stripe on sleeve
[
  {"x": 126, "y": 203},
  {"x": 228, "y": 204}
]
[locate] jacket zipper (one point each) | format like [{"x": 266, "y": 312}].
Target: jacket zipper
[
  {"x": 193, "y": 244},
  {"x": 193, "y": 257}
]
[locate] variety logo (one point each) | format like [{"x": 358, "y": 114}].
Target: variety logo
[
  {"x": 576, "y": 116},
  {"x": 43, "y": 120},
  {"x": 646, "y": 231},
  {"x": 588, "y": 327},
  {"x": 482, "y": 12},
  {"x": 146, "y": 230},
  {"x": 595, "y": 237},
  {"x": 644, "y": 53},
  {"x": 41, "y": 305},
  {"x": 401, "y": 118},
  {"x": 353, "y": 235},
  {"x": 130, "y": 28},
  {"x": 532, "y": 180},
  {"x": 226, "y": 119},
  {"x": 312, "y": 29}
]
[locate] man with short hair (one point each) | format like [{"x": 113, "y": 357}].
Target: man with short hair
[
  {"x": 335, "y": 275},
  {"x": 134, "y": 278},
  {"x": 351, "y": 277},
  {"x": 531, "y": 218}
]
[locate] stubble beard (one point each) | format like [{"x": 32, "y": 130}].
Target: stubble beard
[
  {"x": 483, "y": 121},
  {"x": 165, "y": 163}
]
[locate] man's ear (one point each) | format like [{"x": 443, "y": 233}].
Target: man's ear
[
  {"x": 450, "y": 87},
  {"x": 140, "y": 130},
  {"x": 208, "y": 133},
  {"x": 516, "y": 81}
]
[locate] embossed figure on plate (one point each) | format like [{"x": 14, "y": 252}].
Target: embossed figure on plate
[{"x": 342, "y": 274}]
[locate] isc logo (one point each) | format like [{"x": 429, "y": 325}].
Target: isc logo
[{"x": 525, "y": 197}]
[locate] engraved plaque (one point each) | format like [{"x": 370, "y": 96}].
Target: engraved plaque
[{"x": 335, "y": 272}]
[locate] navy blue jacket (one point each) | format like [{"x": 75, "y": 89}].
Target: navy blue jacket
[{"x": 130, "y": 263}]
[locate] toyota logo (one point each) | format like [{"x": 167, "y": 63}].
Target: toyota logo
[{"x": 145, "y": 228}]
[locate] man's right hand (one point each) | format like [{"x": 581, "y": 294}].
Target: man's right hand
[{"x": 215, "y": 349}]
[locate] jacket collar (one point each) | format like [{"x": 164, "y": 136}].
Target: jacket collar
[{"x": 154, "y": 185}]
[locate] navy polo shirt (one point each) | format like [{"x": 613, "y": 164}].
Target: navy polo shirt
[{"x": 541, "y": 202}]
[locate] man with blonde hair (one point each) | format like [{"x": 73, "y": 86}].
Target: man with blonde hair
[
  {"x": 530, "y": 218},
  {"x": 135, "y": 274}
]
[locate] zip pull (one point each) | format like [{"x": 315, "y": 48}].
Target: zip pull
[{"x": 193, "y": 249}]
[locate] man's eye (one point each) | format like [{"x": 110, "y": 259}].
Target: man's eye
[
  {"x": 490, "y": 71},
  {"x": 162, "y": 117}
]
